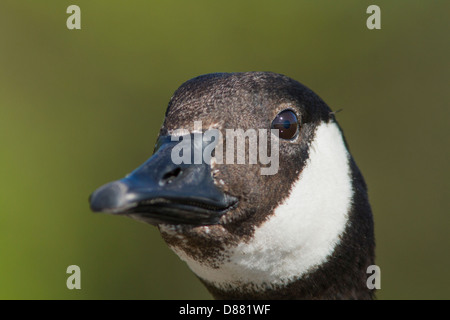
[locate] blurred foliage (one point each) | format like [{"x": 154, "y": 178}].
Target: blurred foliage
[{"x": 79, "y": 108}]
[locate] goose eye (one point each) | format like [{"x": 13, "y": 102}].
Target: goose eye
[{"x": 287, "y": 124}]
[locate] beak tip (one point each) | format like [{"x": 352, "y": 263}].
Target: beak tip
[{"x": 108, "y": 197}]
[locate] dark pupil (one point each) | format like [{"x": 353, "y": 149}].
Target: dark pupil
[{"x": 287, "y": 124}]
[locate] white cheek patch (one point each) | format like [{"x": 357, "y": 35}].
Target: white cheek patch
[{"x": 303, "y": 231}]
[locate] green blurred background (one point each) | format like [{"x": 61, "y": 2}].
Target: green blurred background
[{"x": 79, "y": 108}]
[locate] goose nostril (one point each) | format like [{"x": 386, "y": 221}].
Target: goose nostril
[{"x": 170, "y": 176}]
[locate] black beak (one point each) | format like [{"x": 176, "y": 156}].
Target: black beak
[{"x": 162, "y": 192}]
